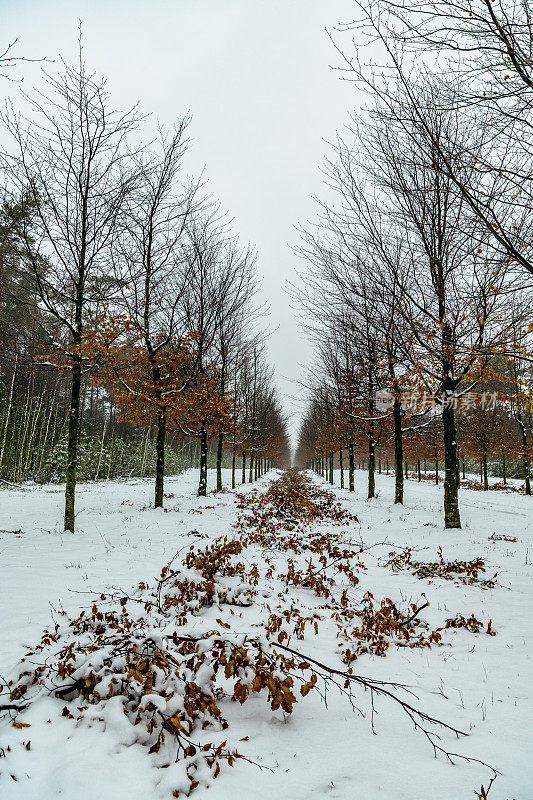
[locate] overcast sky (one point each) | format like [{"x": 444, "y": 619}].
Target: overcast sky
[{"x": 256, "y": 77}]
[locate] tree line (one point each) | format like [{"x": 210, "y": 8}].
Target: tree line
[
  {"x": 127, "y": 305},
  {"x": 418, "y": 294}
]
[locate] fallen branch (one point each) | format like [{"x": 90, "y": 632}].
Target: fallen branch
[
  {"x": 418, "y": 610},
  {"x": 416, "y": 715}
]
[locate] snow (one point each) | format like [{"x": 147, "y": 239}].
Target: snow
[{"x": 478, "y": 683}]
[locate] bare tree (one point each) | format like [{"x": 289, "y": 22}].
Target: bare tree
[
  {"x": 403, "y": 253},
  {"x": 71, "y": 160},
  {"x": 235, "y": 315},
  {"x": 219, "y": 292},
  {"x": 153, "y": 270},
  {"x": 9, "y": 60},
  {"x": 480, "y": 60}
]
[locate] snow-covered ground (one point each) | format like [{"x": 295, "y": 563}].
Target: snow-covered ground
[{"x": 481, "y": 684}]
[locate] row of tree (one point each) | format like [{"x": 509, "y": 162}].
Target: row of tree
[
  {"x": 489, "y": 440},
  {"x": 421, "y": 254},
  {"x": 121, "y": 282}
]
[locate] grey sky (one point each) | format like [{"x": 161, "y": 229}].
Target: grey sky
[{"x": 255, "y": 76}]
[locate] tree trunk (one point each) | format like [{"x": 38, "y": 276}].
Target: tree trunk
[
  {"x": 437, "y": 472},
  {"x": 527, "y": 479},
  {"x": 485, "y": 473},
  {"x": 160, "y": 459},
  {"x": 331, "y": 477},
  {"x": 202, "y": 486},
  {"x": 525, "y": 459},
  {"x": 243, "y": 466},
  {"x": 251, "y": 468},
  {"x": 398, "y": 452},
  {"x": 342, "y": 467},
  {"x": 9, "y": 406},
  {"x": 110, "y": 461},
  {"x": 419, "y": 472},
  {"x": 406, "y": 469},
  {"x": 464, "y": 473},
  {"x": 72, "y": 446},
  {"x": 351, "y": 469},
  {"x": 452, "y": 518},
  {"x": 220, "y": 444},
  {"x": 371, "y": 469},
  {"x": 233, "y": 460}
]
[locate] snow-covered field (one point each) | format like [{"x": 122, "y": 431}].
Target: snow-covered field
[{"x": 481, "y": 684}]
